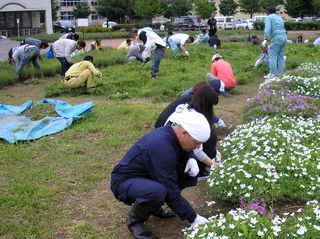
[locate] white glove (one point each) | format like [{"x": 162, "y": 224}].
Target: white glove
[
  {"x": 218, "y": 157},
  {"x": 264, "y": 43},
  {"x": 220, "y": 124},
  {"x": 198, "y": 221},
  {"x": 192, "y": 167},
  {"x": 186, "y": 52}
]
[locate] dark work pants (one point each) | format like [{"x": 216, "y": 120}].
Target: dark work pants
[
  {"x": 147, "y": 193},
  {"x": 65, "y": 65}
]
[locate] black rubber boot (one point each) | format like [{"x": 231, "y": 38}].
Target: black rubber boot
[
  {"x": 135, "y": 219},
  {"x": 161, "y": 213}
]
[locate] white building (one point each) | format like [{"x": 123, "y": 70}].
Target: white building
[
  {"x": 22, "y": 17},
  {"x": 66, "y": 8}
]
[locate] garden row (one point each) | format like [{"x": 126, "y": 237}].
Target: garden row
[
  {"x": 127, "y": 81},
  {"x": 289, "y": 26},
  {"x": 272, "y": 158}
]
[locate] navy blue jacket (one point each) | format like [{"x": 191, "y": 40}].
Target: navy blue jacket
[{"x": 157, "y": 156}]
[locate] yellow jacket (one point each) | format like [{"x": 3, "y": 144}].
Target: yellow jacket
[{"x": 76, "y": 69}]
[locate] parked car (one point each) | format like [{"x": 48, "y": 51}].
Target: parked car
[
  {"x": 188, "y": 23},
  {"x": 226, "y": 22},
  {"x": 250, "y": 23},
  {"x": 64, "y": 26},
  {"x": 110, "y": 24},
  {"x": 241, "y": 24},
  {"x": 259, "y": 18}
]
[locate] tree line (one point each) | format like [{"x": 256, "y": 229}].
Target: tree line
[{"x": 147, "y": 9}]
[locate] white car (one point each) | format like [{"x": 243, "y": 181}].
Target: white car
[
  {"x": 250, "y": 23},
  {"x": 241, "y": 24},
  {"x": 110, "y": 24}
]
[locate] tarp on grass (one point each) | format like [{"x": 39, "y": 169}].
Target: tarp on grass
[{"x": 16, "y": 127}]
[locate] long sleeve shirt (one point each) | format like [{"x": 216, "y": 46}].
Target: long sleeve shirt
[
  {"x": 223, "y": 71},
  {"x": 274, "y": 25},
  {"x": 156, "y": 156},
  {"x": 19, "y": 52},
  {"x": 150, "y": 40},
  {"x": 64, "y": 48},
  {"x": 180, "y": 38},
  {"x": 76, "y": 69},
  {"x": 33, "y": 41}
]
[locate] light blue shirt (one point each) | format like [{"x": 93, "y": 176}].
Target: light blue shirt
[{"x": 274, "y": 25}]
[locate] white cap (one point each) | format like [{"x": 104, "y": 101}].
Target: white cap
[
  {"x": 194, "y": 123},
  {"x": 216, "y": 56}
]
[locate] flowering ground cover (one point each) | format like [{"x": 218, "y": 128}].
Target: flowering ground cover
[{"x": 273, "y": 157}]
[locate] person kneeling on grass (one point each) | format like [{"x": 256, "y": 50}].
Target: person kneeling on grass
[{"x": 81, "y": 72}]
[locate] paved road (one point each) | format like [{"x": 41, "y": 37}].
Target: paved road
[{"x": 5, "y": 45}]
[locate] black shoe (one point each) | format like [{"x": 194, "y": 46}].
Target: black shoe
[
  {"x": 135, "y": 219},
  {"x": 203, "y": 175},
  {"x": 139, "y": 231},
  {"x": 161, "y": 213}
]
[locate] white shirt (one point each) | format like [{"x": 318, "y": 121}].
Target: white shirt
[
  {"x": 180, "y": 38},
  {"x": 152, "y": 40},
  {"x": 64, "y": 48}
]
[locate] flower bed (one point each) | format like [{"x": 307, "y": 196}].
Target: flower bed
[{"x": 274, "y": 157}]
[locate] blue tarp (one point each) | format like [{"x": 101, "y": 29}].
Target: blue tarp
[{"x": 15, "y": 127}]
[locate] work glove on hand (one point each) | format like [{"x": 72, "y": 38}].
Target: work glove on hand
[
  {"x": 264, "y": 43},
  {"x": 198, "y": 221},
  {"x": 218, "y": 157},
  {"x": 192, "y": 167},
  {"x": 146, "y": 60},
  {"x": 220, "y": 124},
  {"x": 186, "y": 52}
]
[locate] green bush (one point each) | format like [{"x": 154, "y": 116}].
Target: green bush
[
  {"x": 289, "y": 26},
  {"x": 94, "y": 29}
]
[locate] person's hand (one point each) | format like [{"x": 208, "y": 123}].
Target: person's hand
[
  {"x": 214, "y": 166},
  {"x": 220, "y": 124},
  {"x": 146, "y": 60},
  {"x": 198, "y": 221},
  {"x": 186, "y": 52},
  {"x": 100, "y": 75},
  {"x": 192, "y": 167},
  {"x": 264, "y": 43}
]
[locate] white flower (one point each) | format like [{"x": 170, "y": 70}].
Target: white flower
[
  {"x": 232, "y": 226},
  {"x": 302, "y": 230},
  {"x": 260, "y": 233}
]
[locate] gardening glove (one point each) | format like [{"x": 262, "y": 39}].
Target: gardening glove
[
  {"x": 146, "y": 60},
  {"x": 186, "y": 52},
  {"x": 264, "y": 43},
  {"x": 198, "y": 221},
  {"x": 218, "y": 157},
  {"x": 220, "y": 124},
  {"x": 192, "y": 167}
]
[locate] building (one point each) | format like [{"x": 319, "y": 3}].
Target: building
[
  {"x": 23, "y": 17},
  {"x": 66, "y": 8}
]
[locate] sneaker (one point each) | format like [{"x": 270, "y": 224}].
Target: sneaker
[
  {"x": 203, "y": 175},
  {"x": 153, "y": 77}
]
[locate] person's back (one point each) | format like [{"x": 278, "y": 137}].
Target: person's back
[
  {"x": 31, "y": 41},
  {"x": 274, "y": 25},
  {"x": 171, "y": 108},
  {"x": 223, "y": 71},
  {"x": 63, "y": 47}
]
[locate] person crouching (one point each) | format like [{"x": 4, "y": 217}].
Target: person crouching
[{"x": 81, "y": 72}]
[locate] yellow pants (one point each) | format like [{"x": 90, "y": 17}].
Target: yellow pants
[{"x": 85, "y": 76}]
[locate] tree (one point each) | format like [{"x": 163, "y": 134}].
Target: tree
[
  {"x": 115, "y": 9},
  {"x": 316, "y": 5},
  {"x": 181, "y": 7},
  {"x": 204, "y": 8},
  {"x": 54, "y": 9},
  {"x": 81, "y": 10},
  {"x": 147, "y": 9},
  {"x": 299, "y": 8},
  {"x": 250, "y": 6},
  {"x": 228, "y": 7}
]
